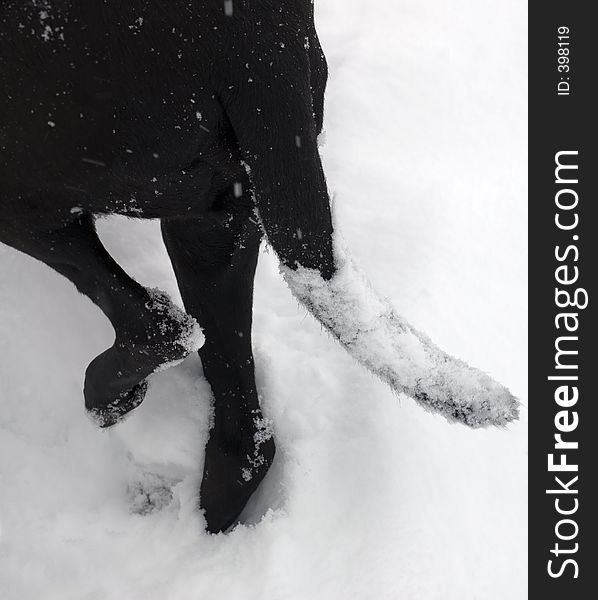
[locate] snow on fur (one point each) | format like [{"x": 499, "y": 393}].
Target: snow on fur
[
  {"x": 386, "y": 344},
  {"x": 116, "y": 411},
  {"x": 191, "y": 337},
  {"x": 173, "y": 336}
]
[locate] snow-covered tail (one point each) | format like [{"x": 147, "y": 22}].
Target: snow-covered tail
[{"x": 386, "y": 344}]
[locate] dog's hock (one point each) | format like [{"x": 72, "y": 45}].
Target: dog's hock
[
  {"x": 386, "y": 344},
  {"x": 173, "y": 322}
]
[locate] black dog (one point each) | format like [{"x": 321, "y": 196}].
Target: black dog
[
  {"x": 148, "y": 109},
  {"x": 195, "y": 112}
]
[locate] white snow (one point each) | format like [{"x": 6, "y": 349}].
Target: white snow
[{"x": 370, "y": 496}]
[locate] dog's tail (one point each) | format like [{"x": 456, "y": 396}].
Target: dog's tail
[
  {"x": 273, "y": 119},
  {"x": 387, "y": 345}
]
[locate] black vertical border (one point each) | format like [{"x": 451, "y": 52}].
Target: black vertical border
[{"x": 562, "y": 123}]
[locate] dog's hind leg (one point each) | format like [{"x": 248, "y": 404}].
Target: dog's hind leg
[
  {"x": 214, "y": 260},
  {"x": 150, "y": 331}
]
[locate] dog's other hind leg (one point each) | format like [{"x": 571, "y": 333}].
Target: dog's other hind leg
[
  {"x": 214, "y": 260},
  {"x": 149, "y": 330}
]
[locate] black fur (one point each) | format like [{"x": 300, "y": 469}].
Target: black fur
[{"x": 157, "y": 109}]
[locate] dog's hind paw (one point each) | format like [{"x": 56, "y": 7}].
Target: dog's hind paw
[{"x": 106, "y": 416}]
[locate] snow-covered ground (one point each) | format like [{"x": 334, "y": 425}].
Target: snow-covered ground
[{"x": 370, "y": 496}]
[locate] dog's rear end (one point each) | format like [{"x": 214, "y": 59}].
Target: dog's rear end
[{"x": 190, "y": 113}]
